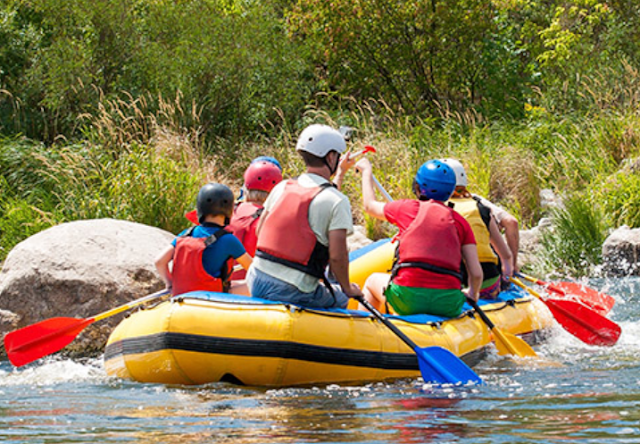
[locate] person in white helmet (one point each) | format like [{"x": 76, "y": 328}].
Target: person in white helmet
[
  {"x": 486, "y": 220},
  {"x": 304, "y": 228}
]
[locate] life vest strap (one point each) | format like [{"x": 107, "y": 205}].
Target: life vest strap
[
  {"x": 317, "y": 273},
  {"x": 424, "y": 266}
]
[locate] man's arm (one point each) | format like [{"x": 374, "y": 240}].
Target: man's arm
[
  {"x": 500, "y": 246},
  {"x": 346, "y": 162},
  {"x": 339, "y": 262},
  {"x": 245, "y": 261},
  {"x": 507, "y": 222},
  {"x": 512, "y": 236},
  {"x": 474, "y": 270}
]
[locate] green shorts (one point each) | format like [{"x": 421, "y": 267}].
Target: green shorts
[{"x": 414, "y": 300}]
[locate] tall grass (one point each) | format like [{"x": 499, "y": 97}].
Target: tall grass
[
  {"x": 146, "y": 164},
  {"x": 573, "y": 246}
]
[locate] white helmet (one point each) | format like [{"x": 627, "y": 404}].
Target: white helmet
[
  {"x": 461, "y": 175},
  {"x": 320, "y": 140}
]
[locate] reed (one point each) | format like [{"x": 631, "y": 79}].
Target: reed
[
  {"x": 145, "y": 163},
  {"x": 573, "y": 246}
]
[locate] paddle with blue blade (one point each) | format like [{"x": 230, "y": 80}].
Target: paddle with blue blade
[
  {"x": 37, "y": 340},
  {"x": 437, "y": 365}
]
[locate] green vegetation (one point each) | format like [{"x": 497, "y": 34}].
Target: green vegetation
[{"x": 124, "y": 108}]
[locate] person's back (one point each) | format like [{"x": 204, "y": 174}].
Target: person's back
[
  {"x": 259, "y": 179},
  {"x": 433, "y": 241},
  {"x": 202, "y": 254},
  {"x": 495, "y": 256},
  {"x": 303, "y": 229}
]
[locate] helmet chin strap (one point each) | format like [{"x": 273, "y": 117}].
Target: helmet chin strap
[{"x": 333, "y": 170}]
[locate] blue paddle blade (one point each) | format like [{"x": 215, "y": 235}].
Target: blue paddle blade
[{"x": 439, "y": 366}]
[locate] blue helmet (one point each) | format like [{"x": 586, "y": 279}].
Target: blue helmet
[
  {"x": 435, "y": 180},
  {"x": 269, "y": 159}
]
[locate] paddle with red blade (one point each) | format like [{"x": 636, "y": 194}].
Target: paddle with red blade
[
  {"x": 579, "y": 320},
  {"x": 192, "y": 216},
  {"x": 35, "y": 341},
  {"x": 601, "y": 302},
  {"x": 367, "y": 149},
  {"x": 437, "y": 365}
]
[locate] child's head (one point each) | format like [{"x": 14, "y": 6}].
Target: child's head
[
  {"x": 434, "y": 180},
  {"x": 214, "y": 199},
  {"x": 262, "y": 175}
]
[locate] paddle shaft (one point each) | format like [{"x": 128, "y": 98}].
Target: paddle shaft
[
  {"x": 597, "y": 300},
  {"x": 130, "y": 305},
  {"x": 388, "y": 323},
  {"x": 506, "y": 343},
  {"x": 482, "y": 314},
  {"x": 547, "y": 285},
  {"x": 49, "y": 336},
  {"x": 384, "y": 193}
]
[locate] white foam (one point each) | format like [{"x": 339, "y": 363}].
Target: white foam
[{"x": 52, "y": 372}]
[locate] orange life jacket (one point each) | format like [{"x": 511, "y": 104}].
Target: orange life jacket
[{"x": 188, "y": 272}]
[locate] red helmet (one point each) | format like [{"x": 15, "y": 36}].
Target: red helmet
[{"x": 262, "y": 175}]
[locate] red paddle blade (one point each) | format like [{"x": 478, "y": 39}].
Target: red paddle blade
[
  {"x": 34, "y": 341},
  {"x": 601, "y": 302},
  {"x": 584, "y": 323},
  {"x": 192, "y": 216},
  {"x": 368, "y": 149}
]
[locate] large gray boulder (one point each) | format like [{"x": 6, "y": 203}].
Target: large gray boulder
[
  {"x": 80, "y": 269},
  {"x": 621, "y": 252}
]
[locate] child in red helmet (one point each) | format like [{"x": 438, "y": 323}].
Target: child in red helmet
[{"x": 259, "y": 179}]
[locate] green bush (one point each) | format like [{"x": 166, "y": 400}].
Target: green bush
[
  {"x": 619, "y": 197},
  {"x": 573, "y": 245}
]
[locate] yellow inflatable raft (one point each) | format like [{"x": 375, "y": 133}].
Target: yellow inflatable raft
[{"x": 205, "y": 337}]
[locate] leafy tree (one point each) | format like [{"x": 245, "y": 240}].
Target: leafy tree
[{"x": 410, "y": 53}]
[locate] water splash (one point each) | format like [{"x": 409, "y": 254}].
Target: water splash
[{"x": 54, "y": 371}]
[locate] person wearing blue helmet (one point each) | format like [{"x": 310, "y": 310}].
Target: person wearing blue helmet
[
  {"x": 269, "y": 159},
  {"x": 434, "y": 240}
]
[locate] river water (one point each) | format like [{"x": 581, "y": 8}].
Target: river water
[{"x": 575, "y": 393}]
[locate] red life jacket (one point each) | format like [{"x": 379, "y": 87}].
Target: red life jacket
[
  {"x": 286, "y": 236},
  {"x": 188, "y": 272},
  {"x": 243, "y": 226},
  {"x": 431, "y": 242}
]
